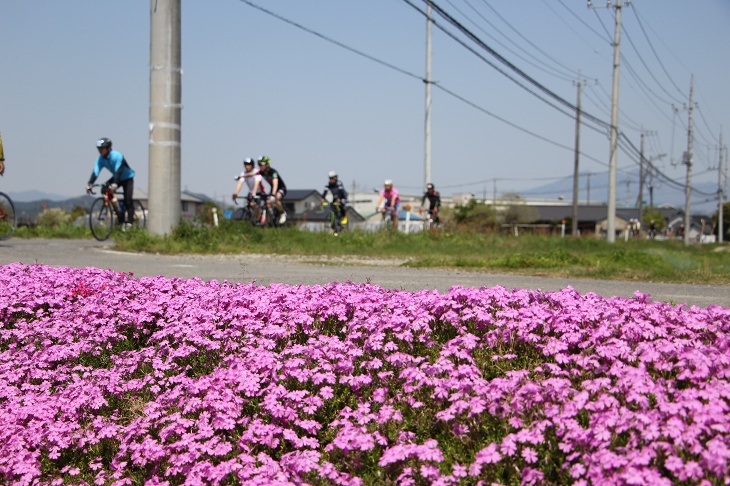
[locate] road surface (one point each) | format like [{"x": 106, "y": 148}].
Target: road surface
[{"x": 267, "y": 269}]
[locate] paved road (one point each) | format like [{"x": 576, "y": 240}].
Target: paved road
[{"x": 266, "y": 269}]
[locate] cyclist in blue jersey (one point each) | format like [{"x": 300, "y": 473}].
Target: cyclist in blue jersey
[{"x": 122, "y": 176}]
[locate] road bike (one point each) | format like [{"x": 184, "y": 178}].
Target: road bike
[
  {"x": 254, "y": 211},
  {"x": 430, "y": 221},
  {"x": 7, "y": 217},
  {"x": 107, "y": 211},
  {"x": 386, "y": 221},
  {"x": 337, "y": 217}
]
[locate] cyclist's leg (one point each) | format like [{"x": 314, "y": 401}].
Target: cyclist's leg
[
  {"x": 116, "y": 207},
  {"x": 394, "y": 216},
  {"x": 128, "y": 188},
  {"x": 280, "y": 206}
]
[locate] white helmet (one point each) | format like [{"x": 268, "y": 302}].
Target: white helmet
[
  {"x": 332, "y": 174},
  {"x": 388, "y": 182}
]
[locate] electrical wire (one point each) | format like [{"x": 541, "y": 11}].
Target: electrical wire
[
  {"x": 661, "y": 64},
  {"x": 630, "y": 150}
]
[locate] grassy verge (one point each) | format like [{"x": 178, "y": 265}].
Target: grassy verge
[{"x": 643, "y": 260}]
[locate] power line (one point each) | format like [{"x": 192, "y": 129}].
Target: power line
[
  {"x": 631, "y": 150},
  {"x": 545, "y": 69},
  {"x": 648, "y": 70},
  {"x": 661, "y": 64}
]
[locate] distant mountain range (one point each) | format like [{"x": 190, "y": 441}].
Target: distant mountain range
[
  {"x": 27, "y": 211},
  {"x": 33, "y": 195},
  {"x": 29, "y": 203},
  {"x": 626, "y": 193}
]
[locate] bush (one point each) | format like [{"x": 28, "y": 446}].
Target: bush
[{"x": 53, "y": 217}]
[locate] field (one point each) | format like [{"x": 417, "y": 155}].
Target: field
[{"x": 642, "y": 260}]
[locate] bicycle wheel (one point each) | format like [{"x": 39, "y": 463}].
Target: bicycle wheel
[
  {"x": 7, "y": 217},
  {"x": 140, "y": 215},
  {"x": 101, "y": 219}
]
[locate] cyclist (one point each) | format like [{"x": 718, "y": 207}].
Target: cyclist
[
  {"x": 390, "y": 200},
  {"x": 122, "y": 175},
  {"x": 253, "y": 180},
  {"x": 2, "y": 156},
  {"x": 434, "y": 202},
  {"x": 339, "y": 194},
  {"x": 276, "y": 184}
]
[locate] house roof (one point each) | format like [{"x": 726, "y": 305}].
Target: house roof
[
  {"x": 552, "y": 213},
  {"x": 293, "y": 195}
]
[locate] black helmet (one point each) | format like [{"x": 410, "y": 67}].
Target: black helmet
[
  {"x": 248, "y": 161},
  {"x": 104, "y": 143}
]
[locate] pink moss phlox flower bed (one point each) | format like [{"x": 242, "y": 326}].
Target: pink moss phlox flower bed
[{"x": 110, "y": 379}]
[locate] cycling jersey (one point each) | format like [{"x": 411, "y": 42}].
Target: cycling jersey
[
  {"x": 434, "y": 200},
  {"x": 337, "y": 190},
  {"x": 388, "y": 195},
  {"x": 115, "y": 163},
  {"x": 269, "y": 178},
  {"x": 251, "y": 182}
]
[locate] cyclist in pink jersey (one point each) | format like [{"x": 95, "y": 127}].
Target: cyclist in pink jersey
[{"x": 390, "y": 200}]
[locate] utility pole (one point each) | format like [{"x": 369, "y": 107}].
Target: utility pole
[
  {"x": 688, "y": 160},
  {"x": 640, "y": 200},
  {"x": 165, "y": 107},
  {"x": 427, "y": 81},
  {"x": 576, "y": 174},
  {"x": 611, "y": 223},
  {"x": 650, "y": 170},
  {"x": 720, "y": 216}
]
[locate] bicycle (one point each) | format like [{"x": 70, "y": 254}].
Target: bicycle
[
  {"x": 255, "y": 213},
  {"x": 7, "y": 217},
  {"x": 106, "y": 209},
  {"x": 337, "y": 217},
  {"x": 272, "y": 214},
  {"x": 430, "y": 222},
  {"x": 386, "y": 221}
]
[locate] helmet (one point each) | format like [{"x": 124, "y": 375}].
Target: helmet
[
  {"x": 248, "y": 161},
  {"x": 264, "y": 160},
  {"x": 332, "y": 174},
  {"x": 388, "y": 182},
  {"x": 429, "y": 186},
  {"x": 104, "y": 143}
]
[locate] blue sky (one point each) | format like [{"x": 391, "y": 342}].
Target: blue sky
[{"x": 255, "y": 85}]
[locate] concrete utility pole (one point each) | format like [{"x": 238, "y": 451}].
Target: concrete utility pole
[
  {"x": 688, "y": 160},
  {"x": 576, "y": 173},
  {"x": 165, "y": 108},
  {"x": 427, "y": 81},
  {"x": 614, "y": 129},
  {"x": 640, "y": 200},
  {"x": 611, "y": 222},
  {"x": 720, "y": 216}
]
